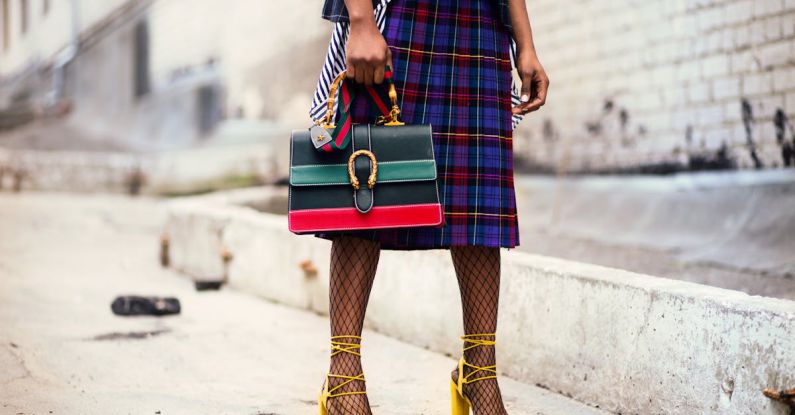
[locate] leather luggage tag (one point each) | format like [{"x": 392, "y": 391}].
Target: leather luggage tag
[{"x": 320, "y": 136}]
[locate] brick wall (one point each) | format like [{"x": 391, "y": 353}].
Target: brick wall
[{"x": 660, "y": 85}]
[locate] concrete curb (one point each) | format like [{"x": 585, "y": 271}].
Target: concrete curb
[
  {"x": 625, "y": 342},
  {"x": 742, "y": 220}
]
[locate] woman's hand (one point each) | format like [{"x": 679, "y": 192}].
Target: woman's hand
[
  {"x": 535, "y": 83},
  {"x": 366, "y": 52}
]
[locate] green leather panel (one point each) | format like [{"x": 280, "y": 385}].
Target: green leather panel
[
  {"x": 319, "y": 175},
  {"x": 388, "y": 172}
]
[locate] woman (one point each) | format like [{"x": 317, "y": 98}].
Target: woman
[{"x": 451, "y": 63}]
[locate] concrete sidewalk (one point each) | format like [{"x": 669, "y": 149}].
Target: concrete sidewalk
[{"x": 63, "y": 352}]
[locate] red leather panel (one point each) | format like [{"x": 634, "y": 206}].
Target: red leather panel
[{"x": 379, "y": 217}]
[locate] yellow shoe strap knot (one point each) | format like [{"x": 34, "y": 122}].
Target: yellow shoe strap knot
[
  {"x": 476, "y": 369},
  {"x": 476, "y": 341},
  {"x": 338, "y": 347},
  {"x": 348, "y": 379}
]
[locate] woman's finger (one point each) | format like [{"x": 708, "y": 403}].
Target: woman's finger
[
  {"x": 360, "y": 70},
  {"x": 369, "y": 75},
  {"x": 378, "y": 75},
  {"x": 527, "y": 88},
  {"x": 350, "y": 73},
  {"x": 525, "y": 95},
  {"x": 542, "y": 85}
]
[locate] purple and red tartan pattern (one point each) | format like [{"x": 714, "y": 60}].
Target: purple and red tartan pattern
[{"x": 452, "y": 69}]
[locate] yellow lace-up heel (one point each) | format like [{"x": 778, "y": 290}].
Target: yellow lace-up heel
[
  {"x": 338, "y": 347},
  {"x": 460, "y": 403}
]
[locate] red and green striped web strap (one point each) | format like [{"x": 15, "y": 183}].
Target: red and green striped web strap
[{"x": 343, "y": 131}]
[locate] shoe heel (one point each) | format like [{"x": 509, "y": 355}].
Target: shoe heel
[
  {"x": 458, "y": 403},
  {"x": 322, "y": 406}
]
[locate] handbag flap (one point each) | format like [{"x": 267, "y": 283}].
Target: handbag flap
[{"x": 403, "y": 154}]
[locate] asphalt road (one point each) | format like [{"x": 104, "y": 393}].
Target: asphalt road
[{"x": 63, "y": 258}]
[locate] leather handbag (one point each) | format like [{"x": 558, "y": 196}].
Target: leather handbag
[{"x": 362, "y": 176}]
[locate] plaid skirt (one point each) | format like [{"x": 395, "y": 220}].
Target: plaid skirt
[{"x": 452, "y": 69}]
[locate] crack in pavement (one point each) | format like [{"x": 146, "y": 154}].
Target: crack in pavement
[
  {"x": 129, "y": 335},
  {"x": 11, "y": 358}
]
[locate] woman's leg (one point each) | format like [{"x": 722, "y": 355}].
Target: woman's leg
[
  {"x": 353, "y": 265},
  {"x": 478, "y": 272}
]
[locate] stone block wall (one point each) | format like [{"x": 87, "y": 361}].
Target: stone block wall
[{"x": 663, "y": 85}]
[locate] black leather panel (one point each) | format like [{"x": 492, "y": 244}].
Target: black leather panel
[{"x": 409, "y": 142}]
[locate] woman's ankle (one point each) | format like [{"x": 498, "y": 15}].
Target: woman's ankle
[
  {"x": 480, "y": 356},
  {"x": 345, "y": 365}
]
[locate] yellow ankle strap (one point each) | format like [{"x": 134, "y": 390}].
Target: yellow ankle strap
[
  {"x": 473, "y": 338},
  {"x": 338, "y": 347},
  {"x": 348, "y": 379}
]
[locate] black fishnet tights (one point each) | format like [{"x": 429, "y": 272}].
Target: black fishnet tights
[
  {"x": 353, "y": 265},
  {"x": 478, "y": 271}
]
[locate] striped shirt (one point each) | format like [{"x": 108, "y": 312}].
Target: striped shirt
[{"x": 334, "y": 10}]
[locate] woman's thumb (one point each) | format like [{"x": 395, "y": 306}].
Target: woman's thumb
[{"x": 527, "y": 89}]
